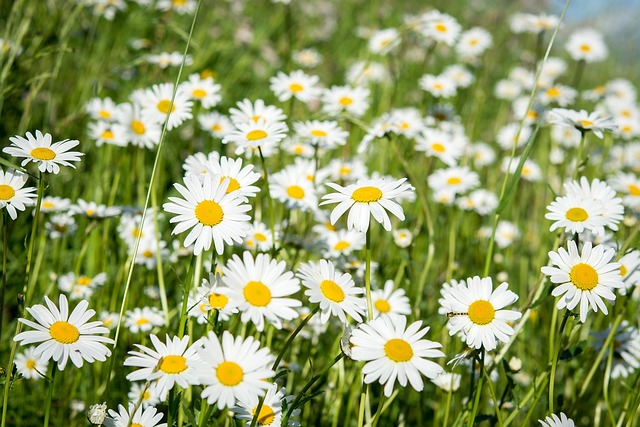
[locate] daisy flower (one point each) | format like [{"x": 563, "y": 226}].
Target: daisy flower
[
  {"x": 54, "y": 204},
  {"x": 138, "y": 130},
  {"x": 149, "y": 417},
  {"x": 448, "y": 381},
  {"x": 557, "y": 421},
  {"x": 582, "y": 120},
  {"x": 440, "y": 27},
  {"x": 111, "y": 133},
  {"x": 530, "y": 170},
  {"x": 39, "y": 149},
  {"x": 630, "y": 270},
  {"x": 205, "y": 91},
  {"x": 210, "y": 213},
  {"x": 101, "y": 109},
  {"x": 441, "y": 86},
  {"x": 457, "y": 180},
  {"x": 210, "y": 296},
  {"x": 339, "y": 99},
  {"x": 384, "y": 41},
  {"x": 80, "y": 287},
  {"x": 167, "y": 59},
  {"x": 394, "y": 352},
  {"x": 253, "y": 135},
  {"x": 365, "y": 198},
  {"x": 586, "y": 45},
  {"x": 476, "y": 311},
  {"x": 601, "y": 193},
  {"x": 31, "y": 365},
  {"x": 297, "y": 84},
  {"x": 361, "y": 73},
  {"x": 629, "y": 185},
  {"x": 390, "y": 301},
  {"x": 576, "y": 214},
  {"x": 271, "y": 410},
  {"x": 233, "y": 369},
  {"x": 13, "y": 195},
  {"x": 218, "y": 125},
  {"x": 508, "y": 136},
  {"x": 481, "y": 201},
  {"x": 181, "y": 7},
  {"x": 440, "y": 144},
  {"x": 261, "y": 286},
  {"x": 169, "y": 363},
  {"x": 293, "y": 189},
  {"x": 240, "y": 178},
  {"x": 626, "y": 344},
  {"x": 156, "y": 102},
  {"x": 308, "y": 58},
  {"x": 259, "y": 237},
  {"x": 473, "y": 43},
  {"x": 109, "y": 319},
  {"x": 343, "y": 242},
  {"x": 143, "y": 319},
  {"x": 145, "y": 392},
  {"x": 60, "y": 225},
  {"x": 65, "y": 336},
  {"x": 334, "y": 291},
  {"x": 585, "y": 278},
  {"x": 248, "y": 112},
  {"x": 198, "y": 163},
  {"x": 93, "y": 210},
  {"x": 325, "y": 134},
  {"x": 402, "y": 237}
]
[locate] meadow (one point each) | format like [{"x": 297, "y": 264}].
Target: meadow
[{"x": 336, "y": 213}]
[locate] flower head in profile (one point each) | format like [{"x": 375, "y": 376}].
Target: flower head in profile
[
  {"x": 40, "y": 150},
  {"x": 65, "y": 336},
  {"x": 582, "y": 120},
  {"x": 368, "y": 197},
  {"x": 14, "y": 196}
]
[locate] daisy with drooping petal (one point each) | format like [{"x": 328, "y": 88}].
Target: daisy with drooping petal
[
  {"x": 582, "y": 120},
  {"x": 169, "y": 363},
  {"x": 365, "y": 198},
  {"x": 155, "y": 104},
  {"x": 271, "y": 411},
  {"x": 261, "y": 286},
  {"x": 384, "y": 41},
  {"x": 585, "y": 278},
  {"x": 476, "y": 311},
  {"x": 240, "y": 177},
  {"x": 65, "y": 336},
  {"x": 149, "y": 417},
  {"x": 334, "y": 291},
  {"x": 233, "y": 369},
  {"x": 557, "y": 421},
  {"x": 395, "y": 352},
  {"x": 31, "y": 365},
  {"x": 13, "y": 195},
  {"x": 390, "y": 301},
  {"x": 297, "y": 84},
  {"x": 211, "y": 297},
  {"x": 212, "y": 214},
  {"x": 39, "y": 149}
]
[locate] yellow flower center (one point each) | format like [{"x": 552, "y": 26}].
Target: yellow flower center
[
  {"x": 345, "y": 101},
  {"x": 481, "y": 312},
  {"x": 64, "y": 332},
  {"x": 233, "y": 184},
  {"x": 90, "y": 212},
  {"x": 45, "y": 205},
  {"x": 254, "y": 135},
  {"x": 584, "y": 276},
  {"x": 138, "y": 127},
  {"x": 398, "y": 350},
  {"x": 173, "y": 364},
  {"x": 577, "y": 215},
  {"x": 142, "y": 321},
  {"x": 553, "y": 92},
  {"x": 454, "y": 180},
  {"x": 634, "y": 190},
  {"x": 586, "y": 123},
  {"x": 83, "y": 281},
  {"x": 623, "y": 270},
  {"x": 257, "y": 294},
  {"x": 367, "y": 195},
  {"x": 31, "y": 364},
  {"x": 295, "y": 87},
  {"x": 145, "y": 396},
  {"x": 345, "y": 170},
  {"x": 43, "y": 153},
  {"x": 163, "y": 106},
  {"x": 136, "y": 425},
  {"x": 107, "y": 134},
  {"x": 437, "y": 86},
  {"x": 266, "y": 415},
  {"x": 298, "y": 149},
  {"x": 136, "y": 232},
  {"x": 341, "y": 245},
  {"x": 179, "y": 2},
  {"x": 6, "y": 192},
  {"x": 147, "y": 254},
  {"x": 218, "y": 301},
  {"x": 437, "y": 147},
  {"x": 441, "y": 28},
  {"x": 382, "y": 306},
  {"x": 260, "y": 237},
  {"x": 296, "y": 192},
  {"x": 585, "y": 48},
  {"x": 229, "y": 374},
  {"x": 104, "y": 114},
  {"x": 199, "y": 93},
  {"x": 473, "y": 42},
  {"x": 216, "y": 128},
  {"x": 318, "y": 133},
  {"x": 332, "y": 291},
  {"x": 209, "y": 213}
]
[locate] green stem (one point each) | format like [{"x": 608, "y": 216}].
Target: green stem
[
  {"x": 554, "y": 363},
  {"x": 583, "y": 137},
  {"x": 47, "y": 410},
  {"x": 272, "y": 224},
  {"x": 292, "y": 337},
  {"x": 492, "y": 392},
  {"x": 185, "y": 293},
  {"x": 478, "y": 393},
  {"x": 367, "y": 275},
  {"x": 448, "y": 405},
  {"x": 5, "y": 236}
]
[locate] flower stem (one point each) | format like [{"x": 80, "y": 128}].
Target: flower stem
[
  {"x": 478, "y": 393},
  {"x": 293, "y": 335},
  {"x": 5, "y": 236},
  {"x": 583, "y": 137},
  {"x": 367, "y": 275},
  {"x": 272, "y": 224},
  {"x": 554, "y": 363},
  {"x": 47, "y": 410}
]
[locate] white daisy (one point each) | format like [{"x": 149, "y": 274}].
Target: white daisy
[
  {"x": 149, "y": 417},
  {"x": 65, "y": 336},
  {"x": 456, "y": 180},
  {"x": 394, "y": 352},
  {"x": 297, "y": 84},
  {"x": 145, "y": 392},
  {"x": 576, "y": 214},
  {"x": 101, "y": 109},
  {"x": 13, "y": 195},
  {"x": 205, "y": 91},
  {"x": 39, "y": 149},
  {"x": 210, "y": 213},
  {"x": 294, "y": 189},
  {"x": 557, "y": 421},
  {"x": 584, "y": 278},
  {"x": 473, "y": 43},
  {"x": 440, "y": 27},
  {"x": 339, "y": 99},
  {"x": 31, "y": 365},
  {"x": 156, "y": 104},
  {"x": 218, "y": 125},
  {"x": 383, "y": 41},
  {"x": 587, "y": 45},
  {"x": 249, "y": 136},
  {"x": 259, "y": 237},
  {"x": 601, "y": 193},
  {"x": 112, "y": 133},
  {"x": 240, "y": 178},
  {"x": 94, "y": 210},
  {"x": 325, "y": 134},
  {"x": 342, "y": 242},
  {"x": 390, "y": 301},
  {"x": 440, "y": 144},
  {"x": 439, "y": 86},
  {"x": 143, "y": 319},
  {"x": 138, "y": 130},
  {"x": 582, "y": 120},
  {"x": 625, "y": 359},
  {"x": 81, "y": 287},
  {"x": 629, "y": 185},
  {"x": 209, "y": 297},
  {"x": 271, "y": 410},
  {"x": 248, "y": 112},
  {"x": 448, "y": 381}
]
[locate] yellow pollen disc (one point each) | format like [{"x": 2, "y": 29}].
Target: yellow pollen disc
[
  {"x": 163, "y": 106},
  {"x": 147, "y": 254},
  {"x": 345, "y": 170},
  {"x": 341, "y": 245},
  {"x": 623, "y": 270},
  {"x": 145, "y": 396},
  {"x": 345, "y": 101},
  {"x": 90, "y": 212},
  {"x": 83, "y": 281},
  {"x": 6, "y": 192},
  {"x": 199, "y": 93},
  {"x": 473, "y": 42},
  {"x": 31, "y": 364},
  {"x": 136, "y": 232},
  {"x": 367, "y": 195},
  {"x": 266, "y": 415},
  {"x": 330, "y": 227},
  {"x": 43, "y": 153},
  {"x": 584, "y": 276},
  {"x": 454, "y": 180},
  {"x": 254, "y": 135},
  {"x": 382, "y": 306},
  {"x": 585, "y": 48},
  {"x": 216, "y": 128},
  {"x": 553, "y": 92},
  {"x": 532, "y": 114},
  {"x": 138, "y": 127},
  {"x": 437, "y": 85},
  {"x": 481, "y": 312},
  {"x": 218, "y": 301},
  {"x": 295, "y": 87},
  {"x": 179, "y": 2},
  {"x": 136, "y": 425},
  {"x": 586, "y": 123},
  {"x": 296, "y": 192},
  {"x": 64, "y": 332},
  {"x": 298, "y": 149},
  {"x": 404, "y": 125},
  {"x": 260, "y": 237},
  {"x": 332, "y": 291},
  {"x": 107, "y": 134},
  {"x": 577, "y": 215},
  {"x": 45, "y": 205},
  {"x": 318, "y": 133},
  {"x": 233, "y": 184},
  {"x": 437, "y": 147},
  {"x": 209, "y": 213},
  {"x": 229, "y": 374},
  {"x": 634, "y": 190},
  {"x": 104, "y": 114},
  {"x": 441, "y": 28},
  {"x": 173, "y": 364},
  {"x": 626, "y": 128},
  {"x": 257, "y": 294},
  {"x": 626, "y": 113},
  {"x": 256, "y": 118},
  {"x": 142, "y": 321},
  {"x": 398, "y": 350},
  {"x": 205, "y": 74}
]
